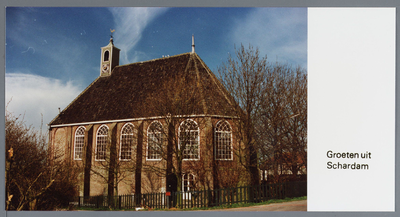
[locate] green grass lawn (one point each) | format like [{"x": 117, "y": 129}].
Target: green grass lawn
[{"x": 236, "y": 205}]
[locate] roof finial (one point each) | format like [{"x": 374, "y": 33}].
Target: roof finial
[
  {"x": 192, "y": 43},
  {"x": 111, "y": 35}
]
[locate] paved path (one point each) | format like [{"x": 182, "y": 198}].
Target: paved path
[{"x": 300, "y": 205}]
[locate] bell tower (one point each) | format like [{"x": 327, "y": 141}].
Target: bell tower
[{"x": 109, "y": 58}]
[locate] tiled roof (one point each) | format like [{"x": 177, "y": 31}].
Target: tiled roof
[{"x": 148, "y": 89}]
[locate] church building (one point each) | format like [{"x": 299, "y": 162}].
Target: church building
[{"x": 166, "y": 124}]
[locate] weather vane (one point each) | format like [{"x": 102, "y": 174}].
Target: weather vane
[{"x": 112, "y": 30}]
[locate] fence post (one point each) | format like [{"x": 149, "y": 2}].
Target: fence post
[
  {"x": 157, "y": 201},
  {"x": 167, "y": 200},
  {"x": 208, "y": 197},
  {"x": 251, "y": 194},
  {"x": 223, "y": 196},
  {"x": 205, "y": 198},
  {"x": 240, "y": 192},
  {"x": 245, "y": 195},
  {"x": 232, "y": 199}
]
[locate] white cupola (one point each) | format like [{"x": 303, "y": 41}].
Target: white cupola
[{"x": 109, "y": 58}]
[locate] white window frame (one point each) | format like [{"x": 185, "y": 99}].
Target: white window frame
[
  {"x": 81, "y": 139},
  {"x": 149, "y": 135},
  {"x": 121, "y": 140},
  {"x": 102, "y": 140},
  {"x": 218, "y": 131},
  {"x": 186, "y": 195},
  {"x": 187, "y": 181},
  {"x": 197, "y": 130}
]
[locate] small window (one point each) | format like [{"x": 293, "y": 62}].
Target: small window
[
  {"x": 223, "y": 141},
  {"x": 188, "y": 182},
  {"x": 154, "y": 141},
  {"x": 106, "y": 55},
  {"x": 101, "y": 143},
  {"x": 189, "y": 139},
  {"x": 79, "y": 143},
  {"x": 127, "y": 142}
]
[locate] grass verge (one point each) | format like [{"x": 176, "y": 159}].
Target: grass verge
[{"x": 236, "y": 205}]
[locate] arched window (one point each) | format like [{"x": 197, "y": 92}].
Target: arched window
[
  {"x": 154, "y": 141},
  {"x": 189, "y": 139},
  {"x": 127, "y": 142},
  {"x": 101, "y": 142},
  {"x": 223, "y": 141},
  {"x": 79, "y": 143},
  {"x": 188, "y": 182},
  {"x": 59, "y": 141},
  {"x": 106, "y": 55}
]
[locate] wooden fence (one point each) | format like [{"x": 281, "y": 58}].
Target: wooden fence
[{"x": 203, "y": 198}]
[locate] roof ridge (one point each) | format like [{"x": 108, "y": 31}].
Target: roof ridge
[
  {"x": 218, "y": 83},
  {"x": 152, "y": 60},
  {"x": 199, "y": 84}
]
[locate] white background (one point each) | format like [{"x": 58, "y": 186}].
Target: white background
[{"x": 351, "y": 107}]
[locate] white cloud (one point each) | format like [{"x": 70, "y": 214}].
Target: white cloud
[
  {"x": 33, "y": 95},
  {"x": 279, "y": 33},
  {"x": 130, "y": 23}
]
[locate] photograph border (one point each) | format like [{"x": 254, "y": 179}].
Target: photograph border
[{"x": 191, "y": 3}]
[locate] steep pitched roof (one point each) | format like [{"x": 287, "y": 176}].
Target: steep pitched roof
[{"x": 138, "y": 90}]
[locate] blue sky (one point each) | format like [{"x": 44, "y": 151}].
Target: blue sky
[{"x": 52, "y": 54}]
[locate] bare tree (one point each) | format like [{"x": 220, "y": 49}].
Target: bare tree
[
  {"x": 282, "y": 126},
  {"x": 35, "y": 178},
  {"x": 113, "y": 165},
  {"x": 175, "y": 141},
  {"x": 244, "y": 77},
  {"x": 272, "y": 110},
  {"x": 296, "y": 138}
]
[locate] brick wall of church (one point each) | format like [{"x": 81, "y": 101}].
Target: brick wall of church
[{"x": 149, "y": 174}]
